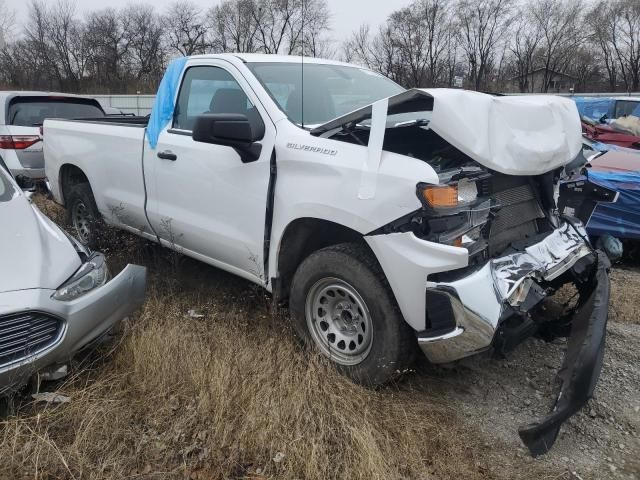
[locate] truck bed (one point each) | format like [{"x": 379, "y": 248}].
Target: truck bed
[{"x": 108, "y": 151}]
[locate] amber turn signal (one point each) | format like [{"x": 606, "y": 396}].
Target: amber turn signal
[{"x": 441, "y": 195}]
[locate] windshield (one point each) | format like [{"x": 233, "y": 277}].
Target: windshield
[
  {"x": 330, "y": 91},
  {"x": 32, "y": 111}
]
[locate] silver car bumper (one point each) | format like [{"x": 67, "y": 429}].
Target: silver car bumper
[
  {"x": 83, "y": 320},
  {"x": 32, "y": 173},
  {"x": 478, "y": 300}
]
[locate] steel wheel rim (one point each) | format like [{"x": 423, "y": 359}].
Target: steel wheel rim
[
  {"x": 81, "y": 219},
  {"x": 339, "y": 321}
]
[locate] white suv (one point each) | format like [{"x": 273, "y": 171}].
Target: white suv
[{"x": 20, "y": 136}]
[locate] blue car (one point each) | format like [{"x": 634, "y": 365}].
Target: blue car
[{"x": 601, "y": 108}]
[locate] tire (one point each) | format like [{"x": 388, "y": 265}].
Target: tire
[
  {"x": 340, "y": 294},
  {"x": 83, "y": 215}
]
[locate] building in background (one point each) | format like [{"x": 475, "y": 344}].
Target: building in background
[{"x": 558, "y": 82}]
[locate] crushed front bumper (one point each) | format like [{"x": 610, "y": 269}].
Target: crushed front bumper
[
  {"x": 582, "y": 362},
  {"x": 482, "y": 300},
  {"x": 512, "y": 286},
  {"x": 84, "y": 319}
]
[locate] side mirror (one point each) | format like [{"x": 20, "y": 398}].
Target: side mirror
[{"x": 232, "y": 130}]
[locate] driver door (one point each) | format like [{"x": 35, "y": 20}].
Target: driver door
[{"x": 203, "y": 200}]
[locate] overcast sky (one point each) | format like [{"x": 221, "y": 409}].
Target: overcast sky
[{"x": 347, "y": 15}]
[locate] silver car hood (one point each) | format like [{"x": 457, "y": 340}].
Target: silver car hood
[{"x": 34, "y": 252}]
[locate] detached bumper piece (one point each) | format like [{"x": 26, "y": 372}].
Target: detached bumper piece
[{"x": 582, "y": 363}]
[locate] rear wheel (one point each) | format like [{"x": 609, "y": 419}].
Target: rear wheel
[
  {"x": 341, "y": 305},
  {"x": 83, "y": 215}
]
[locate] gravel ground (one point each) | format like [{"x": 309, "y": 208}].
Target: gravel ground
[{"x": 497, "y": 396}]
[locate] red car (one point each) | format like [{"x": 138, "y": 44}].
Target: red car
[{"x": 605, "y": 134}]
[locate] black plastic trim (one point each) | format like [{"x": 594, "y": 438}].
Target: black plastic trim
[
  {"x": 268, "y": 221},
  {"x": 582, "y": 363}
]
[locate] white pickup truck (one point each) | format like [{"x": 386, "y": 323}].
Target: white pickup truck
[{"x": 388, "y": 218}]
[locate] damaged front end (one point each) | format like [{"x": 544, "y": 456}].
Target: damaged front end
[
  {"x": 500, "y": 305},
  {"x": 582, "y": 363},
  {"x": 520, "y": 253},
  {"x": 472, "y": 266}
]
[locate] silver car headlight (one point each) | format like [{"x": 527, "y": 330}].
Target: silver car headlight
[{"x": 92, "y": 274}]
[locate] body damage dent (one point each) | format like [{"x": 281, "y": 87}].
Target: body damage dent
[{"x": 543, "y": 261}]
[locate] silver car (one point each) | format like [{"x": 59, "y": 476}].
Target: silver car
[{"x": 56, "y": 297}]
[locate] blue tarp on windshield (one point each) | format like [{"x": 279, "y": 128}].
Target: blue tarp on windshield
[
  {"x": 164, "y": 103},
  {"x": 622, "y": 218},
  {"x": 595, "y": 108}
]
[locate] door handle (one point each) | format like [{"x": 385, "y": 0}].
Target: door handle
[{"x": 168, "y": 155}]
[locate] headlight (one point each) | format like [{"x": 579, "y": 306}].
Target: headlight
[
  {"x": 456, "y": 213},
  {"x": 90, "y": 275},
  {"x": 452, "y": 195}
]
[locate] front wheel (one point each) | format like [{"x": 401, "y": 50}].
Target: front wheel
[{"x": 342, "y": 305}]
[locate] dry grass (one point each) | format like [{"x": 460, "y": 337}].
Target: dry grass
[{"x": 224, "y": 395}]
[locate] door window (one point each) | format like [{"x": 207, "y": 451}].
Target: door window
[{"x": 209, "y": 90}]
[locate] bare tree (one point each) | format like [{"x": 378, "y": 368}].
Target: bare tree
[
  {"x": 274, "y": 19},
  {"x": 559, "y": 24},
  {"x": 584, "y": 66},
  {"x": 385, "y": 53},
  {"x": 428, "y": 43},
  {"x": 625, "y": 37},
  {"x": 438, "y": 27},
  {"x": 483, "y": 25},
  {"x": 186, "y": 28},
  {"x": 108, "y": 46},
  {"x": 600, "y": 20},
  {"x": 523, "y": 46},
  {"x": 283, "y": 25},
  {"x": 143, "y": 33},
  {"x": 7, "y": 23},
  {"x": 36, "y": 44},
  {"x": 314, "y": 28},
  {"x": 410, "y": 37},
  {"x": 66, "y": 35},
  {"x": 233, "y": 26},
  {"x": 357, "y": 48}
]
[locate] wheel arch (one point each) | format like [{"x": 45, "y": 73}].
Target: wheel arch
[
  {"x": 69, "y": 176},
  {"x": 301, "y": 238}
]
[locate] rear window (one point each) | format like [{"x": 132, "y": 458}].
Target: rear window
[{"x": 29, "y": 112}]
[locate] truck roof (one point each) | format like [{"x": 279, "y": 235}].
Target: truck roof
[{"x": 271, "y": 58}]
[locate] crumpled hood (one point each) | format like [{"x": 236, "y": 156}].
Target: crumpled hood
[
  {"x": 515, "y": 135},
  {"x": 34, "y": 252}
]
